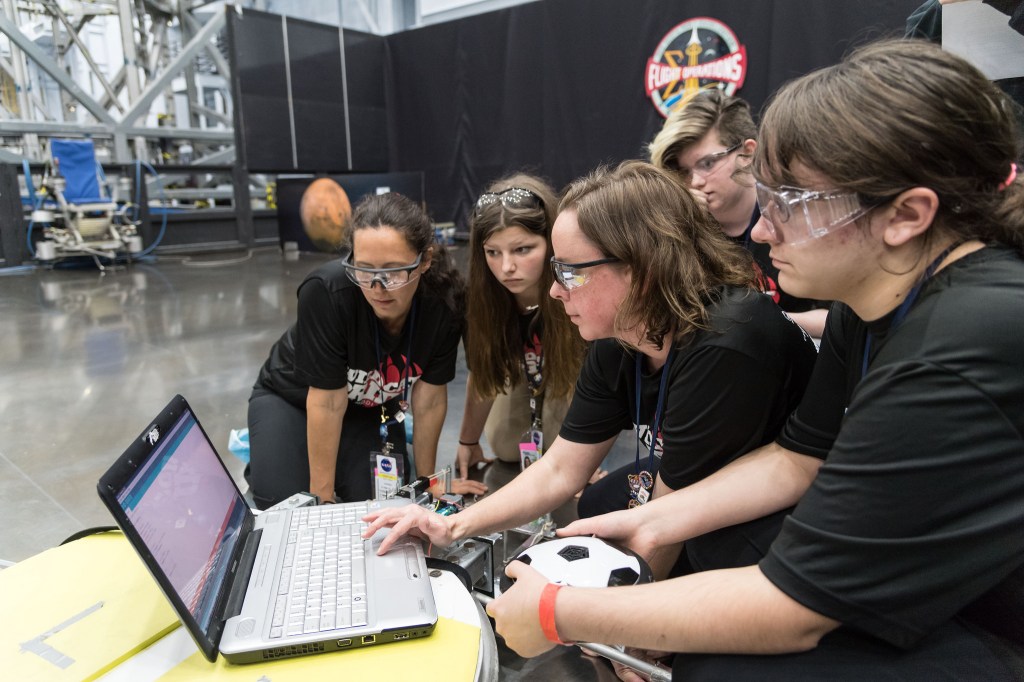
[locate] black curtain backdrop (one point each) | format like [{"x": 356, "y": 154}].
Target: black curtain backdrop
[
  {"x": 299, "y": 87},
  {"x": 556, "y": 87}
]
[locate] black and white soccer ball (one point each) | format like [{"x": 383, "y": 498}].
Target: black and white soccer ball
[{"x": 586, "y": 562}]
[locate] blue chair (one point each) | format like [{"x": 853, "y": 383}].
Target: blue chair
[{"x": 87, "y": 213}]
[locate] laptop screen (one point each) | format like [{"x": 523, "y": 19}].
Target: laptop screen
[{"x": 188, "y": 512}]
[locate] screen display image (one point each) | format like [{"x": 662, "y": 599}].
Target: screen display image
[{"x": 189, "y": 514}]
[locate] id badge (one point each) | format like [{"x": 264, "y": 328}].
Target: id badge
[
  {"x": 528, "y": 454},
  {"x": 386, "y": 474},
  {"x": 535, "y": 436}
]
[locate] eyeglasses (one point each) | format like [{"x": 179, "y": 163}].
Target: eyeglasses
[
  {"x": 388, "y": 278},
  {"x": 568, "y": 275},
  {"x": 808, "y": 214},
  {"x": 706, "y": 165},
  {"x": 513, "y": 197}
]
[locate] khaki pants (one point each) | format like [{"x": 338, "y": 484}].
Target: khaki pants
[{"x": 510, "y": 419}]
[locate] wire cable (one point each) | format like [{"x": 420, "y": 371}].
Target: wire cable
[{"x": 138, "y": 202}]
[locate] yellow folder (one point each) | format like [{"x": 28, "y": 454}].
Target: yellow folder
[{"x": 75, "y": 611}]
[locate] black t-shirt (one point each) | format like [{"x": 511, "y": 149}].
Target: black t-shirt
[
  {"x": 812, "y": 428},
  {"x": 729, "y": 390},
  {"x": 332, "y": 345},
  {"x": 918, "y": 511}
]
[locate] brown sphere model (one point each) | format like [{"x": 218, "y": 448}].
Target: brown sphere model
[{"x": 325, "y": 211}]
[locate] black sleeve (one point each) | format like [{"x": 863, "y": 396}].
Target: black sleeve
[
  {"x": 719, "y": 407},
  {"x": 812, "y": 428},
  {"x": 321, "y": 341},
  {"x": 598, "y": 410},
  {"x": 440, "y": 364},
  {"x": 913, "y": 515}
]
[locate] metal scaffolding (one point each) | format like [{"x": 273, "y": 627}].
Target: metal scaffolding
[
  {"x": 148, "y": 84},
  {"x": 53, "y": 84},
  {"x": 160, "y": 91}
]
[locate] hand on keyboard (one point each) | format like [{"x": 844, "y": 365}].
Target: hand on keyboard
[{"x": 412, "y": 520}]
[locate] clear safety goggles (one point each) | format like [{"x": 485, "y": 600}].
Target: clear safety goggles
[
  {"x": 389, "y": 278},
  {"x": 803, "y": 215},
  {"x": 707, "y": 165}
]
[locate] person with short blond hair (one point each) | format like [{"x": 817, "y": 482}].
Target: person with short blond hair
[{"x": 710, "y": 141}]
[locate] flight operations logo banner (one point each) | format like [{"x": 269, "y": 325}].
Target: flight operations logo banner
[{"x": 698, "y": 54}]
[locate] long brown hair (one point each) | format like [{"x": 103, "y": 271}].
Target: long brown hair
[
  {"x": 677, "y": 254},
  {"x": 899, "y": 114},
  {"x": 493, "y": 340}
]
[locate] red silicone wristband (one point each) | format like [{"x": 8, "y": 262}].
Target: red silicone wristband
[{"x": 546, "y": 611}]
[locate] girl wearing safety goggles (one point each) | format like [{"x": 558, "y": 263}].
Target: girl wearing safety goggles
[{"x": 375, "y": 343}]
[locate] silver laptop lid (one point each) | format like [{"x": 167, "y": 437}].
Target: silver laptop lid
[{"x": 179, "y": 507}]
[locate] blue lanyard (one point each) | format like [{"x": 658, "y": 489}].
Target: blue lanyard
[
  {"x": 657, "y": 410},
  {"x": 908, "y": 302},
  {"x": 404, "y": 403}
]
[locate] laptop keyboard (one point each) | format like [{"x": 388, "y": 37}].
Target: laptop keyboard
[{"x": 323, "y": 583}]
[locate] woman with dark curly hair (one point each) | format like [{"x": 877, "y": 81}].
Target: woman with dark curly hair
[{"x": 376, "y": 339}]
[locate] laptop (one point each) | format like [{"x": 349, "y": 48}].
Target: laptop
[{"x": 259, "y": 587}]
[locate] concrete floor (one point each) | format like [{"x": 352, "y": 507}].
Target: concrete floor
[{"x": 89, "y": 357}]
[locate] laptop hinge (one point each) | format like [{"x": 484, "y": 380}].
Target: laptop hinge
[{"x": 240, "y": 584}]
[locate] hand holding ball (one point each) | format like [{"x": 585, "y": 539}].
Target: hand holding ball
[{"x": 583, "y": 561}]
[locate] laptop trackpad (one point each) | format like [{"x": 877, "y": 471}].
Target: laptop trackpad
[{"x": 403, "y": 552}]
